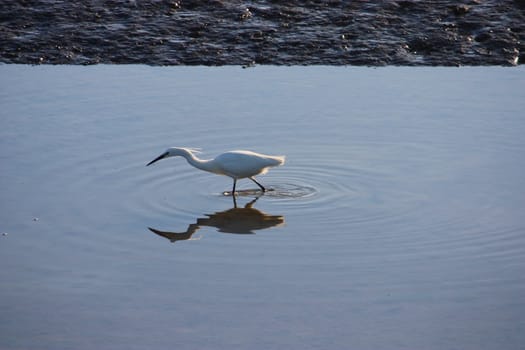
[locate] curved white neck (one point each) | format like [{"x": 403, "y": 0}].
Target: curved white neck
[{"x": 203, "y": 164}]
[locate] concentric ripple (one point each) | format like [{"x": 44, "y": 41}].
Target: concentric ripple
[{"x": 320, "y": 188}]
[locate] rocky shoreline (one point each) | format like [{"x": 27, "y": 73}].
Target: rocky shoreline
[{"x": 330, "y": 32}]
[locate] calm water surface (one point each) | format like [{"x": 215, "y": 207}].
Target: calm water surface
[{"x": 396, "y": 223}]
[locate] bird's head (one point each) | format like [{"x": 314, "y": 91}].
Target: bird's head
[{"x": 173, "y": 152}]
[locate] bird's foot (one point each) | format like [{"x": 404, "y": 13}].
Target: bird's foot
[{"x": 247, "y": 192}]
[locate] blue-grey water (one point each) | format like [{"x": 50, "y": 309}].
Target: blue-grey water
[{"x": 396, "y": 223}]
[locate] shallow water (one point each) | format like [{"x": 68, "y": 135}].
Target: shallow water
[{"x": 396, "y": 222}]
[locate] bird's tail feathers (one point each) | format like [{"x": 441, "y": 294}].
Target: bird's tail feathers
[{"x": 279, "y": 160}]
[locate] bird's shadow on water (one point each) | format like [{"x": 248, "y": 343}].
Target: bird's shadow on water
[{"x": 244, "y": 220}]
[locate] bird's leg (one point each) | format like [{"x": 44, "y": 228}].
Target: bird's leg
[
  {"x": 234, "y": 183},
  {"x": 258, "y": 184}
]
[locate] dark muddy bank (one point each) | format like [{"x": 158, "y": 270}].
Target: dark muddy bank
[{"x": 171, "y": 32}]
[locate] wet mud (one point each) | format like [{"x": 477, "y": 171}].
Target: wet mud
[{"x": 330, "y": 32}]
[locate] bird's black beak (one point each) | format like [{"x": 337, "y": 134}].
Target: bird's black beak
[{"x": 158, "y": 158}]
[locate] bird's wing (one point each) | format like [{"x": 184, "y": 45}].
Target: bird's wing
[
  {"x": 262, "y": 158},
  {"x": 241, "y": 164}
]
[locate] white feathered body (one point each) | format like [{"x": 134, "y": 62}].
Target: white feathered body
[{"x": 243, "y": 164}]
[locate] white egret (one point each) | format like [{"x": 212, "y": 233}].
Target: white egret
[{"x": 235, "y": 164}]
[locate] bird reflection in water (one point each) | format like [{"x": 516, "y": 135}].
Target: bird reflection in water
[{"x": 235, "y": 220}]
